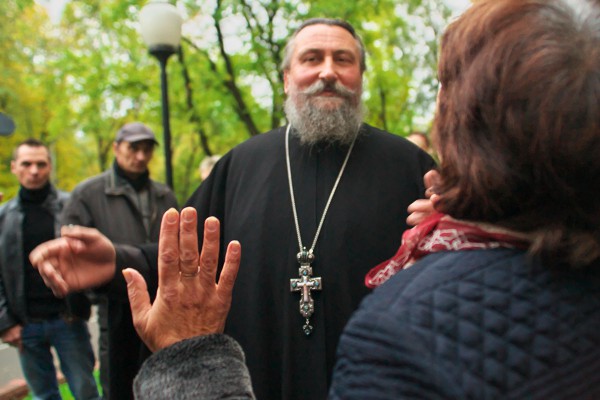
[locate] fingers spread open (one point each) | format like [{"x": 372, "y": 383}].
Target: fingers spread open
[
  {"x": 168, "y": 249},
  {"x": 139, "y": 299},
  {"x": 230, "y": 269},
  {"x": 188, "y": 242},
  {"x": 210, "y": 252}
]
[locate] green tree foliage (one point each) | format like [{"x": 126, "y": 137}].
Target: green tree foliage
[{"x": 74, "y": 81}]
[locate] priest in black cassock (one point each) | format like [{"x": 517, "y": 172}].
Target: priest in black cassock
[
  {"x": 315, "y": 205},
  {"x": 326, "y": 183}
]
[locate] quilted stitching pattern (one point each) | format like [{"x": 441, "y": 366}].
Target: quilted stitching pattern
[{"x": 492, "y": 326}]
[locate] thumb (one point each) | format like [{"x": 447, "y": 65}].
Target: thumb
[{"x": 139, "y": 299}]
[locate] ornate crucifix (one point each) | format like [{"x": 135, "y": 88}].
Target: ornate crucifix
[{"x": 305, "y": 284}]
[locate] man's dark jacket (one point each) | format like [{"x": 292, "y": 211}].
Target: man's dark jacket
[
  {"x": 13, "y": 309},
  {"x": 108, "y": 203}
]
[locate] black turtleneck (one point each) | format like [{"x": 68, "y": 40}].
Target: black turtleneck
[
  {"x": 38, "y": 227},
  {"x": 138, "y": 183}
]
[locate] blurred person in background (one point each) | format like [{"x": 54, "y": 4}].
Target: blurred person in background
[
  {"x": 32, "y": 319},
  {"x": 125, "y": 205},
  {"x": 420, "y": 139},
  {"x": 207, "y": 165}
]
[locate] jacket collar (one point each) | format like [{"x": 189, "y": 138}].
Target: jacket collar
[
  {"x": 117, "y": 186},
  {"x": 49, "y": 202}
]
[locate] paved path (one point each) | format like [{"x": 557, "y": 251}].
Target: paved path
[{"x": 10, "y": 369}]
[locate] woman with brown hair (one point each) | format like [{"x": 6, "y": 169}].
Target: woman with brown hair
[{"x": 502, "y": 297}]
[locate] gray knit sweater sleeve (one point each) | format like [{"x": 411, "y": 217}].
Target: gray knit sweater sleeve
[{"x": 204, "y": 367}]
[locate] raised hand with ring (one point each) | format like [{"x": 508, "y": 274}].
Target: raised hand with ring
[{"x": 189, "y": 301}]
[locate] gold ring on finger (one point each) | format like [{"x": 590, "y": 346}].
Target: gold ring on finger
[{"x": 190, "y": 274}]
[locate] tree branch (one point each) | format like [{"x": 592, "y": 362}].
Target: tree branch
[{"x": 189, "y": 101}]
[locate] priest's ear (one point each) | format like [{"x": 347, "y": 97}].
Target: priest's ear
[{"x": 285, "y": 80}]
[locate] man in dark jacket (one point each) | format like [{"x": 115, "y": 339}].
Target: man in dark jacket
[
  {"x": 32, "y": 319},
  {"x": 125, "y": 205}
]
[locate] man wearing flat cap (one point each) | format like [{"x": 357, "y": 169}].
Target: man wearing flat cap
[{"x": 127, "y": 206}]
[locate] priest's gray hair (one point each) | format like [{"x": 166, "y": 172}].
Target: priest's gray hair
[{"x": 291, "y": 44}]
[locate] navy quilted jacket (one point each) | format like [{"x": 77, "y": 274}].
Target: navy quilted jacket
[{"x": 475, "y": 325}]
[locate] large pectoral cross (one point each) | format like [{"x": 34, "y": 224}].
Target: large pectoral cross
[{"x": 305, "y": 284}]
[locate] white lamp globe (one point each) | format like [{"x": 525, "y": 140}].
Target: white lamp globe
[{"x": 160, "y": 25}]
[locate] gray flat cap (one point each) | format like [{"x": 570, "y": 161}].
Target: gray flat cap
[{"x": 135, "y": 132}]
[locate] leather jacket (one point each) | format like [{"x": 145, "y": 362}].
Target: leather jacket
[{"x": 12, "y": 277}]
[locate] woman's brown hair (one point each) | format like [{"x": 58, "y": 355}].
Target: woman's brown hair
[{"x": 517, "y": 126}]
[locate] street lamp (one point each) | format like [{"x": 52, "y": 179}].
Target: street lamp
[{"x": 160, "y": 24}]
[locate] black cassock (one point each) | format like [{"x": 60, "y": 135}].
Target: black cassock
[{"x": 248, "y": 191}]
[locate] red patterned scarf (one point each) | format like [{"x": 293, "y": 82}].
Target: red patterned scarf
[{"x": 440, "y": 232}]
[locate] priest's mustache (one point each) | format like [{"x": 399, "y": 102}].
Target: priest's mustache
[{"x": 321, "y": 86}]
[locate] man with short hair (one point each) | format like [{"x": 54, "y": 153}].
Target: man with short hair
[
  {"x": 315, "y": 205},
  {"x": 32, "y": 319},
  {"x": 125, "y": 205}
]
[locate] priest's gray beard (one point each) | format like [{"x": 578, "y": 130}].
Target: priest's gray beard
[{"x": 317, "y": 124}]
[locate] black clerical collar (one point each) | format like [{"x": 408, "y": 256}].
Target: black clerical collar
[
  {"x": 34, "y": 195},
  {"x": 138, "y": 183},
  {"x": 323, "y": 144}
]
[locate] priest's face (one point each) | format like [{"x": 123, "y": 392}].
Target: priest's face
[{"x": 324, "y": 85}]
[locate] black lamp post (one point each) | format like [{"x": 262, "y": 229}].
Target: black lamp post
[{"x": 160, "y": 24}]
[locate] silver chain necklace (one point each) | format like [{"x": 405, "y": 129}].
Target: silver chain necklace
[{"x": 306, "y": 282}]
